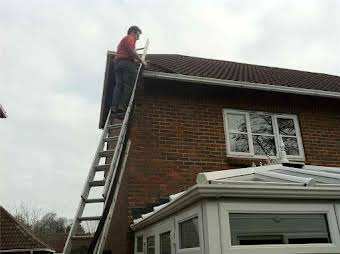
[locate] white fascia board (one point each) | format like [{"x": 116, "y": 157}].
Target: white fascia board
[
  {"x": 239, "y": 84},
  {"x": 206, "y": 177},
  {"x": 215, "y": 191}
]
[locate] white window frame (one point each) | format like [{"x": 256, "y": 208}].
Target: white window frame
[
  {"x": 140, "y": 234},
  {"x": 278, "y": 207},
  {"x": 274, "y": 116},
  {"x": 184, "y": 216},
  {"x": 156, "y": 230},
  {"x": 151, "y": 234}
]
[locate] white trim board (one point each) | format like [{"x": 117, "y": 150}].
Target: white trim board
[
  {"x": 203, "y": 191},
  {"x": 238, "y": 84}
]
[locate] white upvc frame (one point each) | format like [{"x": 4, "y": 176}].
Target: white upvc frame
[
  {"x": 188, "y": 214},
  {"x": 147, "y": 234},
  {"x": 163, "y": 227},
  {"x": 225, "y": 208},
  {"x": 274, "y": 116},
  {"x": 156, "y": 230},
  {"x": 139, "y": 234}
]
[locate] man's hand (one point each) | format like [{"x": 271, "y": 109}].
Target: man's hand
[{"x": 144, "y": 62}]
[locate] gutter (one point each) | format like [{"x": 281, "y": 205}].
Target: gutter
[
  {"x": 239, "y": 84},
  {"x": 201, "y": 191}
]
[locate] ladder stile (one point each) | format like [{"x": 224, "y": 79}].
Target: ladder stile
[
  {"x": 124, "y": 126},
  {"x": 113, "y": 172},
  {"x": 102, "y": 240},
  {"x": 86, "y": 190}
]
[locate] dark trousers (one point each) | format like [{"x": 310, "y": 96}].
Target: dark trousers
[{"x": 125, "y": 74}]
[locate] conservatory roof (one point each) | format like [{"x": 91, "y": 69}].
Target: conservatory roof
[{"x": 283, "y": 181}]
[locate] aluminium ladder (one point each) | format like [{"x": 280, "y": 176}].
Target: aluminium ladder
[{"x": 111, "y": 147}]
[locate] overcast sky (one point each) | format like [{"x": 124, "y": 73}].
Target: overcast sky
[{"x": 52, "y": 63}]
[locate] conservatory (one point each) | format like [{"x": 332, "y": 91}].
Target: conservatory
[{"x": 280, "y": 208}]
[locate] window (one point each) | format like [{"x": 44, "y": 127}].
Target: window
[
  {"x": 150, "y": 242},
  {"x": 278, "y": 228},
  {"x": 256, "y": 134},
  {"x": 165, "y": 243},
  {"x": 140, "y": 244},
  {"x": 188, "y": 233}
]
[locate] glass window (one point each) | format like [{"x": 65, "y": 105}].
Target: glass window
[
  {"x": 150, "y": 241},
  {"x": 238, "y": 133},
  {"x": 272, "y": 228},
  {"x": 188, "y": 234},
  {"x": 140, "y": 244},
  {"x": 165, "y": 243},
  {"x": 287, "y": 130},
  {"x": 262, "y": 136}
]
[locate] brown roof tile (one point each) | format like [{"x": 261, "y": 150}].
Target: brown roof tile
[
  {"x": 14, "y": 235},
  {"x": 226, "y": 70}
]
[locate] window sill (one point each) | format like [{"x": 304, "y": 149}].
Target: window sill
[{"x": 244, "y": 160}]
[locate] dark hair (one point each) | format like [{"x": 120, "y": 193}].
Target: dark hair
[{"x": 134, "y": 29}]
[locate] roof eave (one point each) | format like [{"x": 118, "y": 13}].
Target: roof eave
[
  {"x": 240, "y": 84},
  {"x": 103, "y": 109},
  {"x": 201, "y": 191}
]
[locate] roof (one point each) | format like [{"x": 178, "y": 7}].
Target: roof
[
  {"x": 14, "y": 235},
  {"x": 225, "y": 73},
  {"x": 2, "y": 112},
  {"x": 278, "y": 181},
  {"x": 227, "y": 70}
]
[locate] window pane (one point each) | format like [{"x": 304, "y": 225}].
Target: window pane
[
  {"x": 239, "y": 143},
  {"x": 165, "y": 243},
  {"x": 237, "y": 122},
  {"x": 263, "y": 228},
  {"x": 261, "y": 124},
  {"x": 264, "y": 145},
  {"x": 140, "y": 244},
  {"x": 286, "y": 126},
  {"x": 151, "y": 245},
  {"x": 188, "y": 231},
  {"x": 291, "y": 146}
]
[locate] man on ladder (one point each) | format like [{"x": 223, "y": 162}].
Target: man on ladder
[{"x": 125, "y": 70}]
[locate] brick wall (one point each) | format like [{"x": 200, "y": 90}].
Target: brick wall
[{"x": 177, "y": 131}]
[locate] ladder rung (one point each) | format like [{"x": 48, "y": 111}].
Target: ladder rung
[
  {"x": 109, "y": 139},
  {"x": 94, "y": 200},
  {"x": 114, "y": 126},
  {"x": 90, "y": 218},
  {"x": 97, "y": 183},
  {"x": 104, "y": 167},
  {"x": 106, "y": 153},
  {"x": 82, "y": 237}
]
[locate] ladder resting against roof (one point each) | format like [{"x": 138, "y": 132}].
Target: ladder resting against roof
[{"x": 113, "y": 147}]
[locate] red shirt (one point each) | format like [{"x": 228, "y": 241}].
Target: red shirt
[{"x": 125, "y": 47}]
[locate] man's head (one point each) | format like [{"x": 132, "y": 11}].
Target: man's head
[{"x": 134, "y": 31}]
